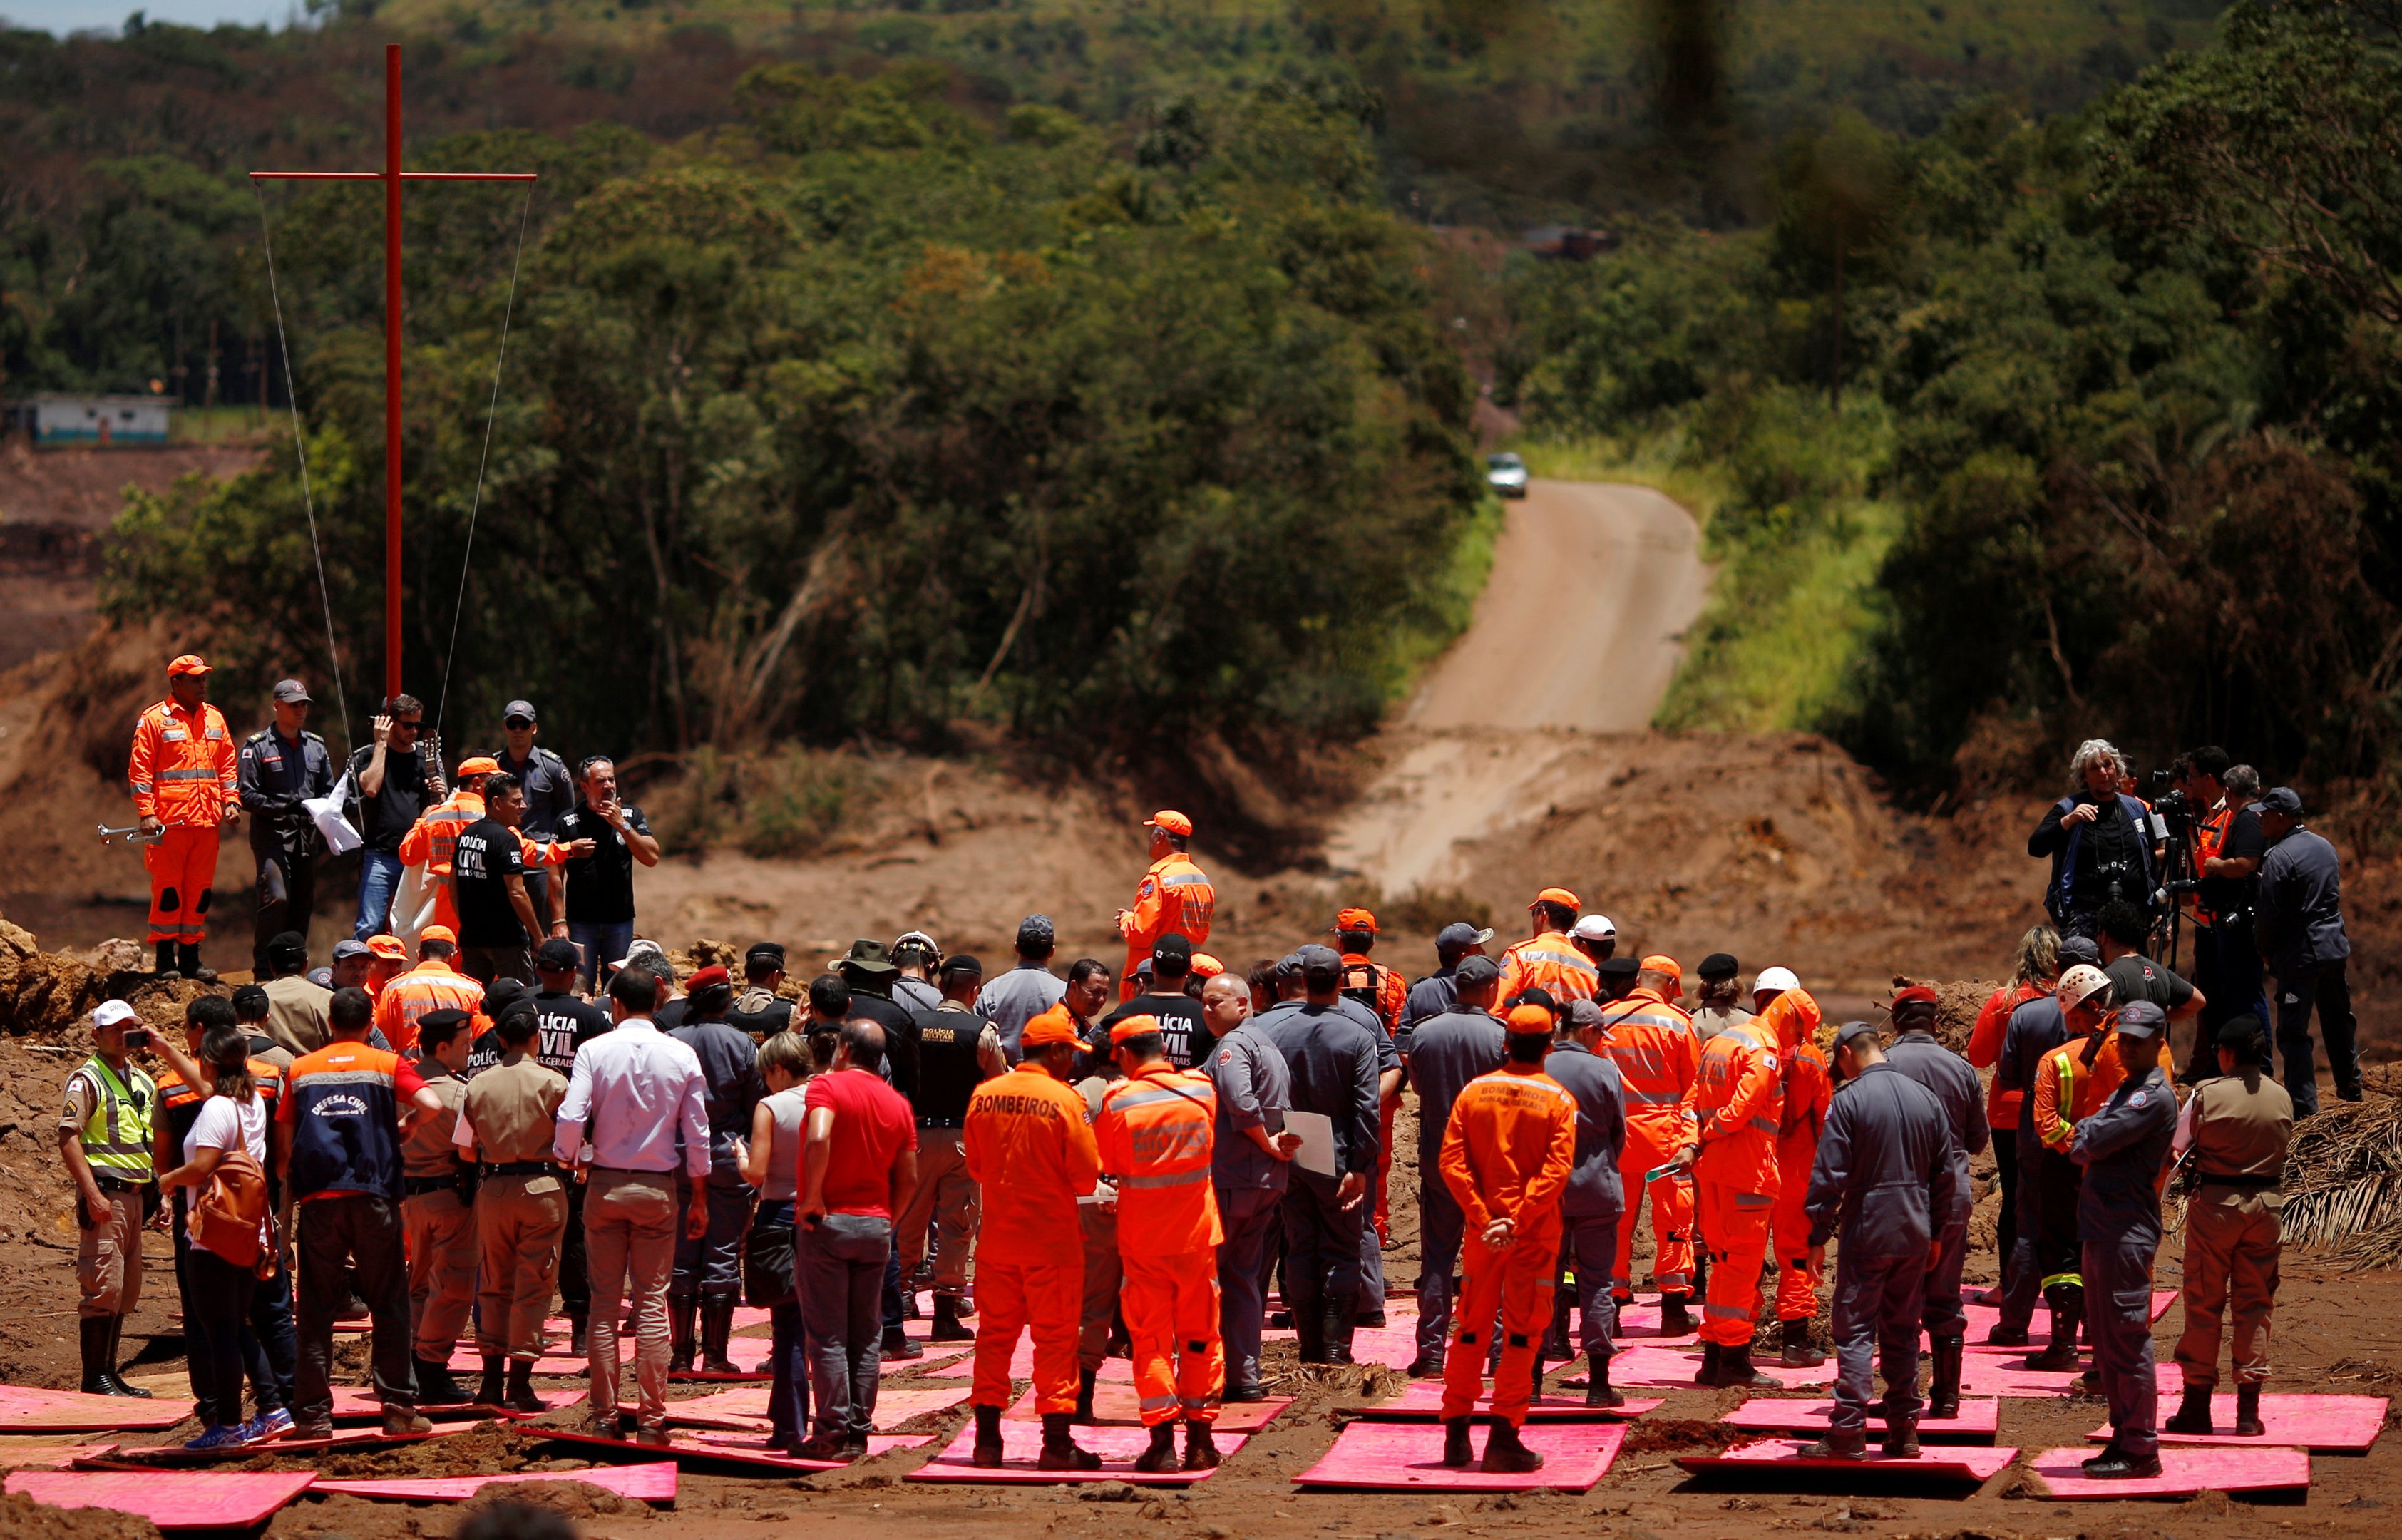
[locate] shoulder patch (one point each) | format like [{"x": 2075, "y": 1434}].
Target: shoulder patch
[{"x": 2139, "y": 1098}]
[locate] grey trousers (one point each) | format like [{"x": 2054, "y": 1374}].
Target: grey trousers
[
  {"x": 2118, "y": 1319},
  {"x": 1941, "y": 1311},
  {"x": 1591, "y": 1246},
  {"x": 1250, "y": 1216},
  {"x": 1878, "y": 1301},
  {"x": 1439, "y": 1227},
  {"x": 841, "y": 1276}
]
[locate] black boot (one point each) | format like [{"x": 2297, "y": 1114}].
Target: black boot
[
  {"x": 1900, "y": 1436},
  {"x": 94, "y": 1340},
  {"x": 1798, "y": 1352},
  {"x": 188, "y": 963},
  {"x": 435, "y": 1388},
  {"x": 117, "y": 1385},
  {"x": 1086, "y": 1382},
  {"x": 1735, "y": 1371},
  {"x": 2061, "y": 1354},
  {"x": 2193, "y": 1412},
  {"x": 1708, "y": 1374},
  {"x": 900, "y": 1347},
  {"x": 1161, "y": 1455},
  {"x": 492, "y": 1392},
  {"x": 1943, "y": 1393},
  {"x": 1557, "y": 1347},
  {"x": 2114, "y": 1464},
  {"x": 716, "y": 1332},
  {"x": 1455, "y": 1450},
  {"x": 1309, "y": 1329},
  {"x": 1839, "y": 1444},
  {"x": 1200, "y": 1450},
  {"x": 988, "y": 1438},
  {"x": 2247, "y": 1410},
  {"x": 1675, "y": 1320},
  {"x": 1342, "y": 1315},
  {"x": 579, "y": 1334},
  {"x": 947, "y": 1328},
  {"x": 1505, "y": 1453},
  {"x": 681, "y": 1316},
  {"x": 1598, "y": 1391},
  {"x": 520, "y": 1394},
  {"x": 1060, "y": 1450}
]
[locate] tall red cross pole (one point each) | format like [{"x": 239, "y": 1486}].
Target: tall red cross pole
[{"x": 392, "y": 176}]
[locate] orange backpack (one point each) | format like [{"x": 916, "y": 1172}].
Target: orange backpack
[{"x": 229, "y": 1217}]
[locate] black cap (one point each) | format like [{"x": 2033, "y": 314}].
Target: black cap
[
  {"x": 2241, "y": 1031},
  {"x": 1718, "y": 965},
  {"x": 287, "y": 944},
  {"x": 1619, "y": 968},
  {"x": 772, "y": 951},
  {"x": 1538, "y": 995},
  {"x": 2282, "y": 798},
  {"x": 558, "y": 955},
  {"x": 1478, "y": 970},
  {"x": 440, "y": 1018},
  {"x": 961, "y": 964},
  {"x": 2078, "y": 949},
  {"x": 501, "y": 993},
  {"x": 1320, "y": 965},
  {"x": 1174, "y": 948}
]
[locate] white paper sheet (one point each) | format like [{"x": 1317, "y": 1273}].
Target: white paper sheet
[{"x": 1317, "y": 1130}]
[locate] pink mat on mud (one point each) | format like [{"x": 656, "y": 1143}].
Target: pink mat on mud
[
  {"x": 742, "y": 1449},
  {"x": 1421, "y": 1401},
  {"x": 353, "y": 1403},
  {"x": 1407, "y": 1457},
  {"x": 1639, "y": 1322},
  {"x": 1119, "y": 1406},
  {"x": 1951, "y": 1463},
  {"x": 180, "y": 1500},
  {"x": 651, "y": 1483},
  {"x": 2184, "y": 1472},
  {"x": 1978, "y": 1418},
  {"x": 2331, "y": 1425},
  {"x": 49, "y": 1456},
  {"x": 465, "y": 1360},
  {"x": 1984, "y": 1318},
  {"x": 744, "y": 1408},
  {"x": 1020, "y": 1442},
  {"x": 1666, "y": 1366},
  {"x": 173, "y": 1456},
  {"x": 1021, "y": 1364},
  {"x": 30, "y": 1409},
  {"x": 2003, "y": 1371}
]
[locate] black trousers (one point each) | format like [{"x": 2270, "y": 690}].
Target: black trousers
[
  {"x": 2059, "y": 1251},
  {"x": 287, "y": 890},
  {"x": 2327, "y": 988},
  {"x": 1321, "y": 1246},
  {"x": 574, "y": 1279},
  {"x": 336, "y": 1232},
  {"x": 2006, "y": 1166}
]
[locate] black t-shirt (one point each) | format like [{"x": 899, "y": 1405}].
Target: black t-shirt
[
  {"x": 1184, "y": 1032},
  {"x": 388, "y": 815},
  {"x": 900, "y": 1037},
  {"x": 562, "y": 1025},
  {"x": 600, "y": 885},
  {"x": 2233, "y": 895},
  {"x": 487, "y": 855},
  {"x": 2136, "y": 977}
]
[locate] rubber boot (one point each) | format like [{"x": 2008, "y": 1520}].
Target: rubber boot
[
  {"x": 1342, "y": 1315},
  {"x": 1557, "y": 1347},
  {"x": 1675, "y": 1319},
  {"x": 492, "y": 1392},
  {"x": 1455, "y": 1451},
  {"x": 1086, "y": 1380},
  {"x": 1309, "y": 1330},
  {"x": 2247, "y": 1410},
  {"x": 521, "y": 1396},
  {"x": 1597, "y": 1389},
  {"x": 188, "y": 963},
  {"x": 681, "y": 1316},
  {"x": 1943, "y": 1393},
  {"x": 1507, "y": 1454},
  {"x": 947, "y": 1328},
  {"x": 94, "y": 1342},
  {"x": 2062, "y": 1353},
  {"x": 1735, "y": 1371},
  {"x": 1060, "y": 1450},
  {"x": 988, "y": 1437},
  {"x": 1839, "y": 1444},
  {"x": 1200, "y": 1449},
  {"x": 1900, "y": 1436},
  {"x": 166, "y": 963},
  {"x": 2193, "y": 1412},
  {"x": 716, "y": 1331},
  {"x": 579, "y": 1341},
  {"x": 1798, "y": 1352},
  {"x": 435, "y": 1388},
  {"x": 117, "y": 1385},
  {"x": 1708, "y": 1375},
  {"x": 1161, "y": 1455}
]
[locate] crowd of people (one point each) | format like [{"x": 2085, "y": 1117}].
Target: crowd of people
[{"x": 1142, "y": 1160}]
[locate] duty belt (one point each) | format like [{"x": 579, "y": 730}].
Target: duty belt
[
  {"x": 108, "y": 1181},
  {"x": 517, "y": 1168},
  {"x": 941, "y": 1122},
  {"x": 2247, "y": 1184},
  {"x": 418, "y": 1187}
]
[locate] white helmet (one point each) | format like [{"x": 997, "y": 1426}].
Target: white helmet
[{"x": 1775, "y": 981}]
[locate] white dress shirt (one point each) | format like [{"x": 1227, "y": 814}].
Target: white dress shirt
[{"x": 630, "y": 1093}]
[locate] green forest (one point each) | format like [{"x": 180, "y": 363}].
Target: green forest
[{"x": 1104, "y": 373}]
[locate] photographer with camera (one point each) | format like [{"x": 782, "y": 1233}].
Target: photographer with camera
[{"x": 2099, "y": 839}]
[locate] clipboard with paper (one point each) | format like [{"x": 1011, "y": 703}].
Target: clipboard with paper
[{"x": 1317, "y": 1151}]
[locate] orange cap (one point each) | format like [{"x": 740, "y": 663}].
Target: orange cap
[
  {"x": 437, "y": 934},
  {"x": 1530, "y": 1018},
  {"x": 482, "y": 765},
  {"x": 1660, "y": 962},
  {"x": 388, "y": 946},
  {"x": 1173, "y": 821},
  {"x": 1558, "y": 895},
  {"x": 1055, "y": 1025},
  {"x": 190, "y": 662},
  {"x": 1206, "y": 965},
  {"x": 1356, "y": 919},
  {"x": 1132, "y": 1027}
]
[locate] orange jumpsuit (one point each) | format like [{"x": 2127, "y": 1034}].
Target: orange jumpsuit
[
  {"x": 1551, "y": 962},
  {"x": 434, "y": 835},
  {"x": 1174, "y": 895},
  {"x": 1807, "y": 1089},
  {"x": 1154, "y": 1138},
  {"x": 1031, "y": 1153},
  {"x": 183, "y": 774},
  {"x": 1506, "y": 1155},
  {"x": 2088, "y": 1087},
  {"x": 1387, "y": 993},
  {"x": 1737, "y": 1102},
  {"x": 1657, "y": 1053},
  {"x": 409, "y": 997}
]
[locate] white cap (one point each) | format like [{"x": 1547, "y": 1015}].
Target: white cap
[
  {"x": 1778, "y": 980},
  {"x": 1595, "y": 927},
  {"x": 114, "y": 1013}
]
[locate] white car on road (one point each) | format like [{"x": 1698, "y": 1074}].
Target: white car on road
[{"x": 1506, "y": 473}]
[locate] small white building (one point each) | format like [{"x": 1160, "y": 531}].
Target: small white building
[{"x": 104, "y": 420}]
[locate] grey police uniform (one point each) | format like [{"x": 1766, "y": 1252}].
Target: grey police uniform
[
  {"x": 1954, "y": 1084},
  {"x": 1595, "y": 1198},
  {"x": 1254, "y": 1090},
  {"x": 2124, "y": 1148}
]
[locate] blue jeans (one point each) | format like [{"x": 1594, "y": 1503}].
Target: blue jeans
[
  {"x": 600, "y": 943},
  {"x": 378, "y": 879},
  {"x": 841, "y": 1272}
]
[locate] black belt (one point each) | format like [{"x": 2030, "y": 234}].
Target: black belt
[
  {"x": 517, "y": 1168},
  {"x": 418, "y": 1187},
  {"x": 941, "y": 1122},
  {"x": 2246, "y": 1183},
  {"x": 109, "y": 1183}
]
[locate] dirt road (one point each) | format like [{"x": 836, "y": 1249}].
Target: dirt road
[{"x": 1579, "y": 632}]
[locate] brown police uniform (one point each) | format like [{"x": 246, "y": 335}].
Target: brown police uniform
[
  {"x": 437, "y": 1227},
  {"x": 1097, "y": 1319},
  {"x": 511, "y": 1117},
  {"x": 2241, "y": 1125}
]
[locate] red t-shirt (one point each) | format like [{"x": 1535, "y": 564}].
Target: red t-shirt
[{"x": 872, "y": 1124}]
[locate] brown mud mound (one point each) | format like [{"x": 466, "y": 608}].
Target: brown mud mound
[
  {"x": 23, "y": 1519},
  {"x": 488, "y": 1448},
  {"x": 42, "y": 991},
  {"x": 1653, "y": 1435},
  {"x": 571, "y": 1499}
]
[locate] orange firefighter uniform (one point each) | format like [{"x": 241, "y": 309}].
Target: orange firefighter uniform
[
  {"x": 1658, "y": 1054},
  {"x": 1738, "y": 1105},
  {"x": 1808, "y": 1087},
  {"x": 2068, "y": 1090},
  {"x": 434, "y": 835},
  {"x": 430, "y": 986},
  {"x": 1154, "y": 1140},
  {"x": 1031, "y": 1153},
  {"x": 1506, "y": 1155},
  {"x": 1550, "y": 962},
  {"x": 1174, "y": 895},
  {"x": 183, "y": 774}
]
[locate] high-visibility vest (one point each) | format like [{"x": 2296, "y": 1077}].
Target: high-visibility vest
[
  {"x": 117, "y": 1135},
  {"x": 2064, "y": 1069}
]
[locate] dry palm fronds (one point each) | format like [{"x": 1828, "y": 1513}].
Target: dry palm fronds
[{"x": 2344, "y": 1182}]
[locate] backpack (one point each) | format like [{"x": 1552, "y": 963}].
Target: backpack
[
  {"x": 229, "y": 1217},
  {"x": 1365, "y": 983}
]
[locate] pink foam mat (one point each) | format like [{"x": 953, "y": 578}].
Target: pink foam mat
[
  {"x": 1666, "y": 1366},
  {"x": 1421, "y": 1401},
  {"x": 1408, "y": 1457},
  {"x": 2329, "y": 1425},
  {"x": 1953, "y": 1462},
  {"x": 355, "y": 1403},
  {"x": 175, "y": 1455},
  {"x": 1021, "y": 1366},
  {"x": 1984, "y": 1318},
  {"x": 50, "y": 1456},
  {"x": 744, "y": 1408},
  {"x": 465, "y": 1360},
  {"x": 1120, "y": 1406},
  {"x": 1997, "y": 1372},
  {"x": 30, "y": 1409},
  {"x": 177, "y": 1500},
  {"x": 652, "y": 1483},
  {"x": 1021, "y": 1442},
  {"x": 1639, "y": 1321},
  {"x": 1978, "y": 1418},
  {"x": 2184, "y": 1472},
  {"x": 733, "y": 1448}
]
